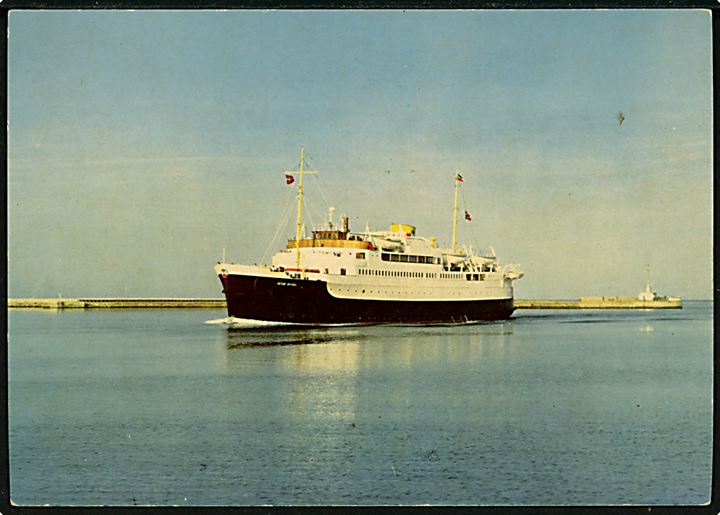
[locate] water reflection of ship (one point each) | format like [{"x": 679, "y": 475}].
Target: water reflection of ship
[
  {"x": 261, "y": 337},
  {"x": 315, "y": 350},
  {"x": 327, "y": 374},
  {"x": 303, "y": 350},
  {"x": 319, "y": 375}
]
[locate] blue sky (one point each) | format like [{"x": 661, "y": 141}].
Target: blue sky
[{"x": 143, "y": 143}]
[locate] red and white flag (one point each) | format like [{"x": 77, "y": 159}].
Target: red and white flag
[
  {"x": 459, "y": 178},
  {"x": 289, "y": 179},
  {"x": 468, "y": 217}
]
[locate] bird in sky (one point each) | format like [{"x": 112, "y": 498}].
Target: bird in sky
[{"x": 620, "y": 118}]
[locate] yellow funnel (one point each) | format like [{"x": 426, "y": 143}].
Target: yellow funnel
[{"x": 409, "y": 230}]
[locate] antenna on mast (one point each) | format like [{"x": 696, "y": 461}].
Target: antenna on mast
[{"x": 458, "y": 180}]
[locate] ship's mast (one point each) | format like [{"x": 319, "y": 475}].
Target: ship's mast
[
  {"x": 458, "y": 180},
  {"x": 301, "y": 172},
  {"x": 299, "y": 210}
]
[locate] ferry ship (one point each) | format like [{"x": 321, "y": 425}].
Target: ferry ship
[{"x": 340, "y": 276}]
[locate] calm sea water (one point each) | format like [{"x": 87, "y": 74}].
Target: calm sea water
[{"x": 552, "y": 407}]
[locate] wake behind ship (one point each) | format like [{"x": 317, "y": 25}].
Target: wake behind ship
[{"x": 339, "y": 276}]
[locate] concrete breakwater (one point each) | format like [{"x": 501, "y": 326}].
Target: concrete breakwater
[
  {"x": 168, "y": 303},
  {"x": 602, "y": 303},
  {"x": 106, "y": 303}
]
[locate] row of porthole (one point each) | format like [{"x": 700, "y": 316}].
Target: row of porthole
[
  {"x": 411, "y": 293},
  {"x": 419, "y": 275},
  {"x": 452, "y": 276}
]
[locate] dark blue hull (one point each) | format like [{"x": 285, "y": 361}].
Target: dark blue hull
[{"x": 309, "y": 302}]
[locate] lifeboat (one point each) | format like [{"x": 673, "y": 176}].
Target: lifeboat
[{"x": 388, "y": 244}]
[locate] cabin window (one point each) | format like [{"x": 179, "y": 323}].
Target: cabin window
[
  {"x": 403, "y": 258},
  {"x": 412, "y": 259},
  {"x": 360, "y": 255},
  {"x": 394, "y": 257},
  {"x": 475, "y": 277},
  {"x": 385, "y": 257},
  {"x": 342, "y": 271}
]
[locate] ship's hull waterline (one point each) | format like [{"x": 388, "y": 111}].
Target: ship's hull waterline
[{"x": 298, "y": 301}]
